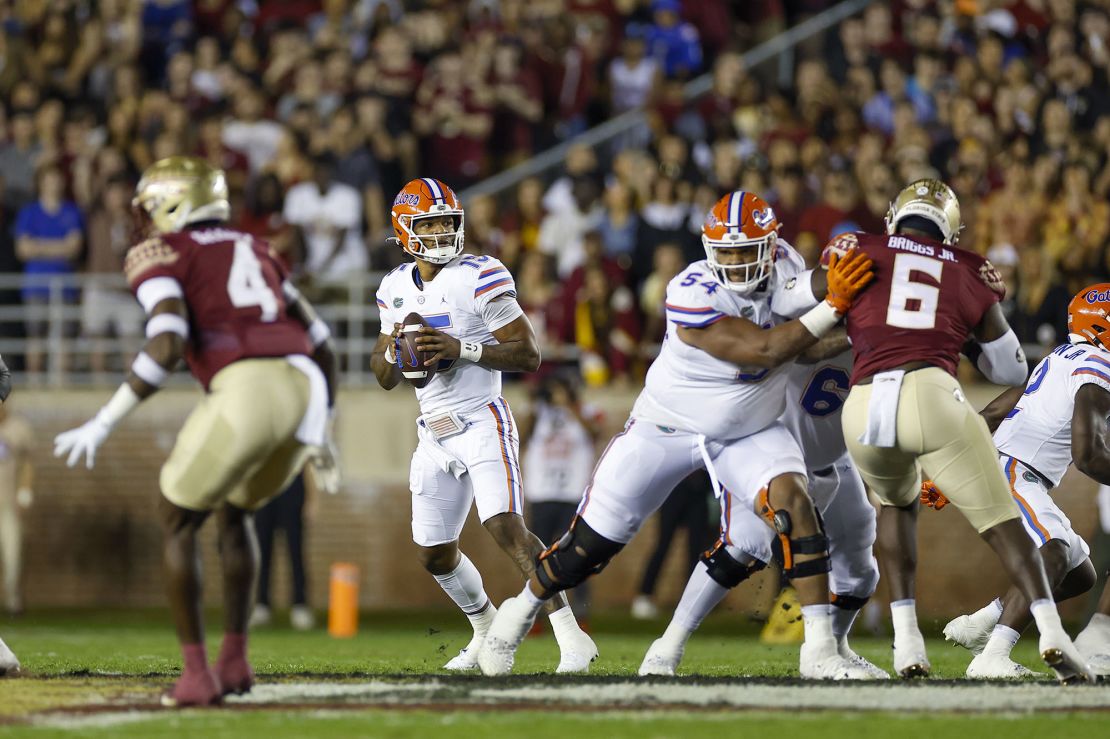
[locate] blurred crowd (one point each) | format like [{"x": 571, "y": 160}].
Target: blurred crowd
[{"x": 319, "y": 110}]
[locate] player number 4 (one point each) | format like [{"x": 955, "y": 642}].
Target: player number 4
[
  {"x": 246, "y": 285},
  {"x": 903, "y": 290}
]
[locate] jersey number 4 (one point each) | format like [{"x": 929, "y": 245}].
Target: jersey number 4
[
  {"x": 903, "y": 291},
  {"x": 246, "y": 285}
]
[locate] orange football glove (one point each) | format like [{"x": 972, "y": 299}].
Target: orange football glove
[
  {"x": 931, "y": 496},
  {"x": 848, "y": 275}
]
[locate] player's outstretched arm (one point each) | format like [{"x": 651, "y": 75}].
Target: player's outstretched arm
[
  {"x": 997, "y": 410},
  {"x": 516, "y": 349},
  {"x": 832, "y": 344},
  {"x": 167, "y": 329},
  {"x": 382, "y": 362},
  {"x": 743, "y": 343},
  {"x": 1090, "y": 435}
]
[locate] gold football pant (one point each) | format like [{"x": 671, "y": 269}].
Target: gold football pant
[
  {"x": 938, "y": 434},
  {"x": 238, "y": 445}
]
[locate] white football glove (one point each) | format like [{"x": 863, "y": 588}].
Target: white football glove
[
  {"x": 84, "y": 440},
  {"x": 324, "y": 465}
]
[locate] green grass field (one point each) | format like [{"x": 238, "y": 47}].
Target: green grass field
[{"x": 100, "y": 674}]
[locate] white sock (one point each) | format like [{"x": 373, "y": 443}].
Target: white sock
[
  {"x": 676, "y": 635},
  {"x": 1002, "y": 641},
  {"x": 1045, "y": 614},
  {"x": 903, "y": 613},
  {"x": 563, "y": 623},
  {"x": 990, "y": 612},
  {"x": 464, "y": 586},
  {"x": 702, "y": 594},
  {"x": 535, "y": 602},
  {"x": 818, "y": 623},
  {"x": 842, "y": 620}
]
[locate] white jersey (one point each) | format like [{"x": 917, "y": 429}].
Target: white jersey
[
  {"x": 457, "y": 302},
  {"x": 691, "y": 390},
  {"x": 1037, "y": 432},
  {"x": 814, "y": 399},
  {"x": 559, "y": 457}
]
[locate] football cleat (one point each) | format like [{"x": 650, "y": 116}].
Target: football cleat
[
  {"x": 661, "y": 659},
  {"x": 9, "y": 665},
  {"x": 969, "y": 632},
  {"x": 301, "y": 618},
  {"x": 823, "y": 662},
  {"x": 643, "y": 609},
  {"x": 1093, "y": 643},
  {"x": 509, "y": 627},
  {"x": 235, "y": 676},
  {"x": 910, "y": 660},
  {"x": 989, "y": 666},
  {"x": 198, "y": 688},
  {"x": 1061, "y": 655},
  {"x": 467, "y": 658},
  {"x": 576, "y": 651},
  {"x": 261, "y": 616},
  {"x": 873, "y": 670},
  {"x": 1100, "y": 665}
]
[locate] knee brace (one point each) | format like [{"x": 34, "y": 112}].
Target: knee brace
[
  {"x": 580, "y": 553},
  {"x": 848, "y": 602},
  {"x": 792, "y": 546},
  {"x": 726, "y": 570}
]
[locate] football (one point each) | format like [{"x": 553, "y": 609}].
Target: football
[{"x": 409, "y": 358}]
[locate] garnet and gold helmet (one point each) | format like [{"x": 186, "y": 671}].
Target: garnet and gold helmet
[
  {"x": 740, "y": 220},
  {"x": 177, "y": 191},
  {"x": 1087, "y": 316},
  {"x": 428, "y": 198},
  {"x": 932, "y": 200}
]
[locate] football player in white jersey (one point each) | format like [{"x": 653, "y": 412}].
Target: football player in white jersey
[
  {"x": 9, "y": 665},
  {"x": 815, "y": 395},
  {"x": 1058, "y": 418},
  {"x": 712, "y": 398},
  {"x": 468, "y": 448}
]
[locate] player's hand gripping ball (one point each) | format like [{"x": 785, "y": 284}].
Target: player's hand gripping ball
[{"x": 409, "y": 357}]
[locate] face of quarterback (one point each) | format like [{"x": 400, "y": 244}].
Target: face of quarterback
[{"x": 430, "y": 229}]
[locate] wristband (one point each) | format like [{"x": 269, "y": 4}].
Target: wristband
[
  {"x": 167, "y": 323},
  {"x": 470, "y": 351},
  {"x": 821, "y": 319},
  {"x": 318, "y": 332}
]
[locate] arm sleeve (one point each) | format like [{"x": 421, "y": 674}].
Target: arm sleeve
[
  {"x": 384, "y": 310},
  {"x": 795, "y": 296},
  {"x": 501, "y": 312},
  {"x": 691, "y": 306},
  {"x": 1003, "y": 361}
]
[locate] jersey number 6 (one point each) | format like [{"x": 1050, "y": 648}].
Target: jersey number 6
[{"x": 903, "y": 290}]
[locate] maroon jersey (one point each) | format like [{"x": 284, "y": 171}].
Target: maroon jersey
[
  {"x": 922, "y": 306},
  {"x": 232, "y": 285}
]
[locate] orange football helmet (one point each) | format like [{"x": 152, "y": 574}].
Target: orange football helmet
[
  {"x": 426, "y": 198},
  {"x": 1087, "y": 315},
  {"x": 740, "y": 221}
]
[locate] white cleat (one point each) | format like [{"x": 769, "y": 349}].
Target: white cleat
[
  {"x": 661, "y": 659},
  {"x": 1095, "y": 649},
  {"x": 1061, "y": 655},
  {"x": 643, "y": 609},
  {"x": 1100, "y": 665},
  {"x": 301, "y": 618},
  {"x": 988, "y": 666},
  {"x": 9, "y": 665},
  {"x": 969, "y": 633},
  {"x": 467, "y": 658},
  {"x": 910, "y": 660},
  {"x": 261, "y": 616},
  {"x": 509, "y": 627},
  {"x": 873, "y": 671},
  {"x": 822, "y": 662},
  {"x": 576, "y": 651}
]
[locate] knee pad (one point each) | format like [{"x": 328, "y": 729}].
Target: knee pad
[
  {"x": 580, "y": 553},
  {"x": 792, "y": 546},
  {"x": 725, "y": 569},
  {"x": 848, "y": 602}
]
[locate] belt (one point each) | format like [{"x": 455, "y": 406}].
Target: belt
[{"x": 1043, "y": 480}]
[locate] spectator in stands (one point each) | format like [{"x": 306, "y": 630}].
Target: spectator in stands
[
  {"x": 16, "y": 484},
  {"x": 539, "y": 295},
  {"x": 262, "y": 216},
  {"x": 673, "y": 43},
  {"x": 667, "y": 263},
  {"x": 288, "y": 512},
  {"x": 619, "y": 223},
  {"x": 517, "y": 105},
  {"x": 453, "y": 120},
  {"x": 327, "y": 216},
  {"x": 49, "y": 237},
  {"x": 1078, "y": 221},
  {"x": 211, "y": 146},
  {"x": 562, "y": 232},
  {"x": 251, "y": 133},
  {"x": 19, "y": 157},
  {"x": 107, "y": 306},
  {"x": 355, "y": 166},
  {"x": 606, "y": 329},
  {"x": 839, "y": 203},
  {"x": 633, "y": 76}
]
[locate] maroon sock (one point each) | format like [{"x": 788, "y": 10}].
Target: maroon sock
[
  {"x": 233, "y": 647},
  {"x": 196, "y": 657}
]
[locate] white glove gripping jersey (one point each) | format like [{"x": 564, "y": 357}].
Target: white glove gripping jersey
[
  {"x": 458, "y": 303},
  {"x": 1037, "y": 431},
  {"x": 691, "y": 390},
  {"x": 815, "y": 396}
]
